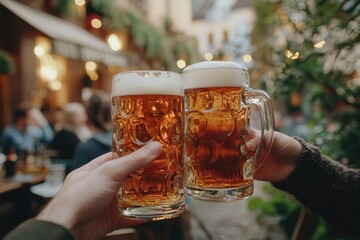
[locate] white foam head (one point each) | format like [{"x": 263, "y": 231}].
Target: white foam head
[
  {"x": 215, "y": 74},
  {"x": 147, "y": 82}
]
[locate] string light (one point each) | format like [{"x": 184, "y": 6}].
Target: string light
[
  {"x": 114, "y": 42},
  {"x": 80, "y": 2},
  {"x": 208, "y": 56},
  {"x": 55, "y": 85},
  {"x": 247, "y": 58},
  {"x": 42, "y": 47},
  {"x": 90, "y": 66},
  {"x": 48, "y": 73},
  {"x": 39, "y": 51},
  {"x": 292, "y": 55},
  {"x": 94, "y": 76},
  {"x": 96, "y": 23},
  {"x": 181, "y": 63},
  {"x": 320, "y": 44}
]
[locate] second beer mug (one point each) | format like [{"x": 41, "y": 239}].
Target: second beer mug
[
  {"x": 148, "y": 106},
  {"x": 220, "y": 112}
]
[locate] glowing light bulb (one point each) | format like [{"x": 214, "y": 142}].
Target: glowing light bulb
[
  {"x": 247, "y": 58},
  {"x": 320, "y": 44},
  {"x": 208, "y": 56},
  {"x": 90, "y": 66},
  {"x": 96, "y": 23},
  {"x": 39, "y": 51},
  {"x": 80, "y": 2},
  {"x": 55, "y": 85},
  {"x": 114, "y": 42},
  {"x": 181, "y": 63},
  {"x": 292, "y": 55}
]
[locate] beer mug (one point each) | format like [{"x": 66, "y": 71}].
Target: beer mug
[
  {"x": 221, "y": 111},
  {"x": 148, "y": 106}
]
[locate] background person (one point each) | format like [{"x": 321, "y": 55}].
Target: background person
[
  {"x": 72, "y": 132},
  {"x": 98, "y": 110},
  {"x": 28, "y": 130}
]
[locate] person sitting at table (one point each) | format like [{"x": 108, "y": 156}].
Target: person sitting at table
[
  {"x": 71, "y": 134},
  {"x": 29, "y": 130},
  {"x": 98, "y": 110}
]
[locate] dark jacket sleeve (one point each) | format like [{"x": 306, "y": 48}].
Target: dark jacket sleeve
[
  {"x": 327, "y": 188},
  {"x": 39, "y": 230}
]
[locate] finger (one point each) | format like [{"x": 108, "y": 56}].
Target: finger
[
  {"x": 121, "y": 167},
  {"x": 253, "y": 143},
  {"x": 98, "y": 161}
]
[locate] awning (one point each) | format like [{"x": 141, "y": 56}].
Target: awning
[{"x": 69, "y": 40}]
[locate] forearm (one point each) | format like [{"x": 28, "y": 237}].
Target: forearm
[
  {"x": 39, "y": 230},
  {"x": 327, "y": 188}
]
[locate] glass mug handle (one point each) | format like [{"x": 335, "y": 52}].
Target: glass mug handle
[{"x": 262, "y": 101}]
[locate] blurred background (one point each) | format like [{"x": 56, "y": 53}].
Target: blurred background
[{"x": 305, "y": 54}]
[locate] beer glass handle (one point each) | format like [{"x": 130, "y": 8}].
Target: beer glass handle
[{"x": 262, "y": 101}]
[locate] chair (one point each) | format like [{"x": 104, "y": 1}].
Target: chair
[{"x": 305, "y": 225}]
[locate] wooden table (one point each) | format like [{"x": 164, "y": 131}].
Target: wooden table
[
  {"x": 19, "y": 181},
  {"x": 6, "y": 186},
  {"x": 16, "y": 200}
]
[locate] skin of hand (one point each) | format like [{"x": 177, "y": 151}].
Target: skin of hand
[
  {"x": 281, "y": 160},
  {"x": 87, "y": 203}
]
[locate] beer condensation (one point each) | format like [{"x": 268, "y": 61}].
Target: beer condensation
[
  {"x": 217, "y": 127},
  {"x": 137, "y": 120}
]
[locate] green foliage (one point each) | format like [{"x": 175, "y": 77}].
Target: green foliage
[
  {"x": 107, "y": 8},
  {"x": 278, "y": 205},
  {"x": 287, "y": 210},
  {"x": 7, "y": 64},
  {"x": 182, "y": 47},
  {"x": 327, "y": 78},
  {"x": 157, "y": 44},
  {"x": 324, "y": 232},
  {"x": 65, "y": 8}
]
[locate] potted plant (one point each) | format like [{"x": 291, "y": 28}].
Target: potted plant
[
  {"x": 7, "y": 67},
  {"x": 6, "y": 63}
]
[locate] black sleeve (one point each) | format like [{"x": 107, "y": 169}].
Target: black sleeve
[
  {"x": 327, "y": 188},
  {"x": 39, "y": 230}
]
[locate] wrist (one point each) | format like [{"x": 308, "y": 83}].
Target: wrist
[
  {"x": 294, "y": 155},
  {"x": 297, "y": 151},
  {"x": 287, "y": 153},
  {"x": 53, "y": 214}
]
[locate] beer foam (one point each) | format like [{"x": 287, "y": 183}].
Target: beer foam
[
  {"x": 215, "y": 74},
  {"x": 147, "y": 82}
]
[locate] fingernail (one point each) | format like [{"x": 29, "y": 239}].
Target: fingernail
[{"x": 154, "y": 146}]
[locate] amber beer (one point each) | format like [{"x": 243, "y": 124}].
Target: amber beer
[
  {"x": 217, "y": 109},
  {"x": 148, "y": 106}
]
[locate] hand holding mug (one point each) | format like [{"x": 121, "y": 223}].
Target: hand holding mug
[{"x": 95, "y": 213}]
